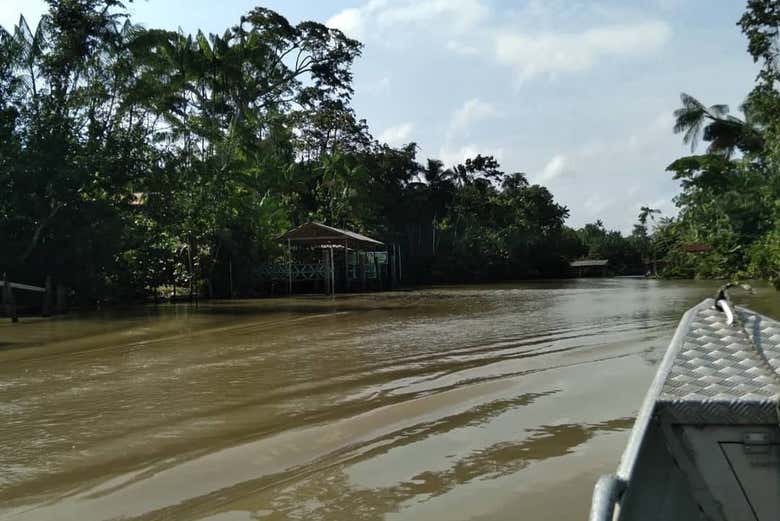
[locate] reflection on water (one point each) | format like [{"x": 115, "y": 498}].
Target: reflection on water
[{"x": 492, "y": 402}]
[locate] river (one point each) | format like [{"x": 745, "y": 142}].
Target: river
[{"x": 493, "y": 402}]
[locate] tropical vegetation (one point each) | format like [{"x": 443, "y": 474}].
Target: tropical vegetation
[
  {"x": 133, "y": 159},
  {"x": 728, "y": 222}
]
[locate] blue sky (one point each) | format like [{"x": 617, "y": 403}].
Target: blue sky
[{"x": 577, "y": 94}]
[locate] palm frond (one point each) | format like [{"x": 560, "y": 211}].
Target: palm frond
[{"x": 718, "y": 111}]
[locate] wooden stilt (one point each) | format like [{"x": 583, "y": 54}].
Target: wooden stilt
[
  {"x": 230, "y": 276},
  {"x": 400, "y": 266},
  {"x": 378, "y": 273},
  {"x": 362, "y": 263},
  {"x": 328, "y": 265},
  {"x": 191, "y": 274},
  {"x": 8, "y": 300},
  {"x": 61, "y": 299},
  {"x": 332, "y": 274},
  {"x": 346, "y": 266},
  {"x": 289, "y": 267},
  {"x": 173, "y": 280},
  {"x": 393, "y": 269},
  {"x": 46, "y": 305}
]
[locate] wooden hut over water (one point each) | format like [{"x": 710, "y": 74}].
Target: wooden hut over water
[
  {"x": 590, "y": 267},
  {"x": 329, "y": 259}
]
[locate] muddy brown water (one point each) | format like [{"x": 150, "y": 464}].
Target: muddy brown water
[{"x": 483, "y": 402}]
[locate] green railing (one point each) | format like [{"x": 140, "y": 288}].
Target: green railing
[
  {"x": 279, "y": 271},
  {"x": 299, "y": 271}
]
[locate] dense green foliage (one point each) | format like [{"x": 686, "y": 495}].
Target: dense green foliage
[
  {"x": 728, "y": 223},
  {"x": 132, "y": 159},
  {"x": 728, "y": 220}
]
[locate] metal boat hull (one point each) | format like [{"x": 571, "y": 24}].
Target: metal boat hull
[{"x": 706, "y": 443}]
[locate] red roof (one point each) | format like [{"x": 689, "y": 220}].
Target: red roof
[{"x": 696, "y": 247}]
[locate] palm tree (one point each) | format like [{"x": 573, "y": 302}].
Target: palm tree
[
  {"x": 22, "y": 51},
  {"x": 691, "y": 117},
  {"x": 434, "y": 172},
  {"x": 440, "y": 193},
  {"x": 646, "y": 212},
  {"x": 724, "y": 132},
  {"x": 514, "y": 182}
]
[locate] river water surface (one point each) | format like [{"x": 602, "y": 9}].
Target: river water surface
[{"x": 482, "y": 402}]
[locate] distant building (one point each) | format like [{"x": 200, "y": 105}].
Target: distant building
[
  {"x": 696, "y": 247},
  {"x": 138, "y": 199},
  {"x": 323, "y": 258},
  {"x": 590, "y": 267}
]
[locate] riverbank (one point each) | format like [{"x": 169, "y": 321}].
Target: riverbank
[{"x": 195, "y": 300}]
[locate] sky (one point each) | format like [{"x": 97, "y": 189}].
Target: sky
[{"x": 578, "y": 95}]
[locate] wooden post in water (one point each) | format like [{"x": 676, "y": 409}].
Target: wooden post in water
[
  {"x": 46, "y": 305},
  {"x": 289, "y": 267},
  {"x": 346, "y": 266},
  {"x": 362, "y": 263},
  {"x": 332, "y": 271},
  {"x": 230, "y": 276},
  {"x": 191, "y": 274},
  {"x": 400, "y": 266},
  {"x": 61, "y": 299},
  {"x": 173, "y": 281},
  {"x": 327, "y": 264},
  {"x": 8, "y": 300},
  {"x": 393, "y": 272},
  {"x": 377, "y": 272}
]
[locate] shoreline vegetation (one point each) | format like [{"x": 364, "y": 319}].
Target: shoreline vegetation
[{"x": 136, "y": 158}]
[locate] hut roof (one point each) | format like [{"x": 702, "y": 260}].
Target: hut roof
[
  {"x": 696, "y": 247},
  {"x": 589, "y": 263},
  {"x": 318, "y": 233}
]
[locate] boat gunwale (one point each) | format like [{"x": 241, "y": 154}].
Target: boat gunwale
[{"x": 646, "y": 411}]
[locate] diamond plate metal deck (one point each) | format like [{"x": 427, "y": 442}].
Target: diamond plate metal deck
[
  {"x": 718, "y": 375},
  {"x": 716, "y": 383}
]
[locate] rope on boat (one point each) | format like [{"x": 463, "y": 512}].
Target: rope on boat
[
  {"x": 723, "y": 304},
  {"x": 723, "y": 301}
]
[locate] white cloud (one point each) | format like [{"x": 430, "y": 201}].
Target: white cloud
[
  {"x": 471, "y": 112},
  {"x": 616, "y": 145},
  {"x": 461, "y": 13},
  {"x": 453, "y": 155},
  {"x": 555, "y": 167},
  {"x": 460, "y": 48},
  {"x": 349, "y": 21},
  {"x": 617, "y": 173},
  {"x": 468, "y": 28},
  {"x": 549, "y": 53},
  {"x": 376, "y": 17},
  {"x": 397, "y": 135}
]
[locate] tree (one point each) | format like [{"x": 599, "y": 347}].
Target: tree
[
  {"x": 642, "y": 237},
  {"x": 724, "y": 132},
  {"x": 142, "y": 160}
]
